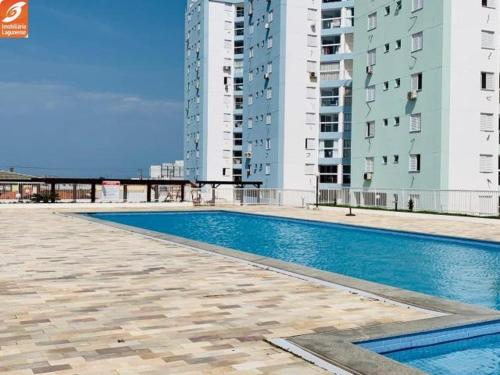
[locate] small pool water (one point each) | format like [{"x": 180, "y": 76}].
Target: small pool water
[
  {"x": 462, "y": 270},
  {"x": 480, "y": 355}
]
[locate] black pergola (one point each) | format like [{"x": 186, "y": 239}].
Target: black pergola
[{"x": 93, "y": 182}]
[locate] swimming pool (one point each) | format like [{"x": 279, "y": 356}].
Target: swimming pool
[
  {"x": 445, "y": 351},
  {"x": 462, "y": 270},
  {"x": 480, "y": 355},
  {"x": 465, "y": 271}
]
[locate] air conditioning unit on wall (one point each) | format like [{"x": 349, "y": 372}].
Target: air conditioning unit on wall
[{"x": 412, "y": 95}]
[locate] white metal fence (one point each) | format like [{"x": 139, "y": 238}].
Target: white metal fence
[
  {"x": 478, "y": 203},
  {"x": 248, "y": 196},
  {"x": 466, "y": 202}
]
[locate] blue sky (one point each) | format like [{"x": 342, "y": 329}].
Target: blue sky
[{"x": 96, "y": 90}]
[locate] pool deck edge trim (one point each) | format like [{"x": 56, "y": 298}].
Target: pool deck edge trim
[{"x": 352, "y": 358}]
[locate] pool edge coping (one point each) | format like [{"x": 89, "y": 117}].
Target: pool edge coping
[{"x": 347, "y": 355}]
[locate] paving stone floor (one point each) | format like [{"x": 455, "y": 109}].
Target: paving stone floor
[{"x": 83, "y": 298}]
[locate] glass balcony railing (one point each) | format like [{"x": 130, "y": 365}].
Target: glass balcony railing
[
  {"x": 329, "y": 127},
  {"x": 329, "y": 154},
  {"x": 330, "y": 49},
  {"x": 337, "y": 22},
  {"x": 330, "y": 101}
]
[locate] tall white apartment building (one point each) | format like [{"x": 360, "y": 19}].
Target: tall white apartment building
[
  {"x": 399, "y": 94},
  {"x": 213, "y": 89},
  {"x": 268, "y": 91}
]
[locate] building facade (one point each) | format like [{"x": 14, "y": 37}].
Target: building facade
[
  {"x": 426, "y": 101},
  {"x": 167, "y": 171},
  {"x": 399, "y": 94},
  {"x": 268, "y": 91},
  {"x": 213, "y": 97}
]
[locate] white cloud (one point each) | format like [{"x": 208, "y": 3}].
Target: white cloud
[
  {"x": 18, "y": 98},
  {"x": 49, "y": 124}
]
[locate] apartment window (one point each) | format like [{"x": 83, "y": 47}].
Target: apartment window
[
  {"x": 269, "y": 93},
  {"x": 330, "y": 71},
  {"x": 330, "y": 123},
  {"x": 329, "y": 148},
  {"x": 397, "y": 83},
  {"x": 370, "y": 93},
  {"x": 250, "y": 100},
  {"x": 268, "y": 119},
  {"x": 395, "y": 159},
  {"x": 487, "y": 39},
  {"x": 328, "y": 174},
  {"x": 268, "y": 169},
  {"x": 486, "y": 164},
  {"x": 386, "y": 85},
  {"x": 312, "y": 41},
  {"x": 310, "y": 144},
  {"x": 346, "y": 149},
  {"x": 311, "y": 93},
  {"x": 268, "y": 143},
  {"x": 310, "y": 118},
  {"x": 417, "y": 41},
  {"x": 250, "y": 123},
  {"x": 487, "y": 81},
  {"x": 387, "y": 10},
  {"x": 396, "y": 121},
  {"x": 417, "y": 81},
  {"x": 269, "y": 68},
  {"x": 311, "y": 66},
  {"x": 387, "y": 47},
  {"x": 372, "y": 57},
  {"x": 415, "y": 122},
  {"x": 270, "y": 16},
  {"x": 486, "y": 123},
  {"x": 369, "y": 165},
  {"x": 347, "y": 123},
  {"x": 309, "y": 169},
  {"x": 386, "y": 122},
  {"x": 330, "y": 97},
  {"x": 384, "y": 160},
  {"x": 250, "y": 53},
  {"x": 488, "y": 3},
  {"x": 398, "y": 44},
  {"x": 414, "y": 166},
  {"x": 370, "y": 129},
  {"x": 250, "y": 76},
  {"x": 270, "y": 42},
  {"x": 346, "y": 174},
  {"x": 372, "y": 21},
  {"x": 417, "y": 5}
]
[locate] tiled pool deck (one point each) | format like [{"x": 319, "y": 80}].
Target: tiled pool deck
[{"x": 80, "y": 297}]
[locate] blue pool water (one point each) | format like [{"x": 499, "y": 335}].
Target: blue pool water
[
  {"x": 466, "y": 271},
  {"x": 477, "y": 356}
]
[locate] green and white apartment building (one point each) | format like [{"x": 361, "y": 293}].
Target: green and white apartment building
[
  {"x": 367, "y": 94},
  {"x": 426, "y": 103}
]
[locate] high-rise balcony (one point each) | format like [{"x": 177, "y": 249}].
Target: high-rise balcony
[
  {"x": 331, "y": 49},
  {"x": 336, "y": 23}
]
